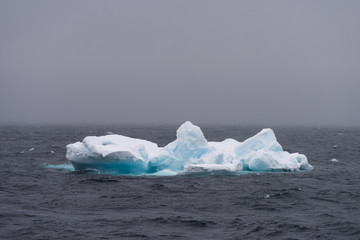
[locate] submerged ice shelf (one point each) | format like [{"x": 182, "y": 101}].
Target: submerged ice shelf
[{"x": 190, "y": 152}]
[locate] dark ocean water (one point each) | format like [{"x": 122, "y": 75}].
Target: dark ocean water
[{"x": 41, "y": 203}]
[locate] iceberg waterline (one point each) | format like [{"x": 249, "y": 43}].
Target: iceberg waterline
[{"x": 190, "y": 152}]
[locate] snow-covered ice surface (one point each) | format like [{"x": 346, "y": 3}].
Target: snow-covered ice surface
[{"x": 189, "y": 153}]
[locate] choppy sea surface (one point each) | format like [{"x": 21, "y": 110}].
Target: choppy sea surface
[{"x": 41, "y": 203}]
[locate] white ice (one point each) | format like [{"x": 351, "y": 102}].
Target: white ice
[{"x": 190, "y": 152}]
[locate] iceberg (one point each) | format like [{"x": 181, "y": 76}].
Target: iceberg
[{"x": 189, "y": 153}]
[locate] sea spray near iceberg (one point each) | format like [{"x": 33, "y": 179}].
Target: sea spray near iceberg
[{"x": 190, "y": 152}]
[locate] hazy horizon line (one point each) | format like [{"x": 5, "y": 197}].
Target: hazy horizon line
[{"x": 173, "y": 124}]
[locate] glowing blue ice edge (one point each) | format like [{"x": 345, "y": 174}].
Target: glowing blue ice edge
[
  {"x": 189, "y": 153},
  {"x": 62, "y": 166},
  {"x": 68, "y": 167}
]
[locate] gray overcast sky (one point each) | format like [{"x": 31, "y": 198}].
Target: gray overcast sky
[{"x": 158, "y": 62}]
